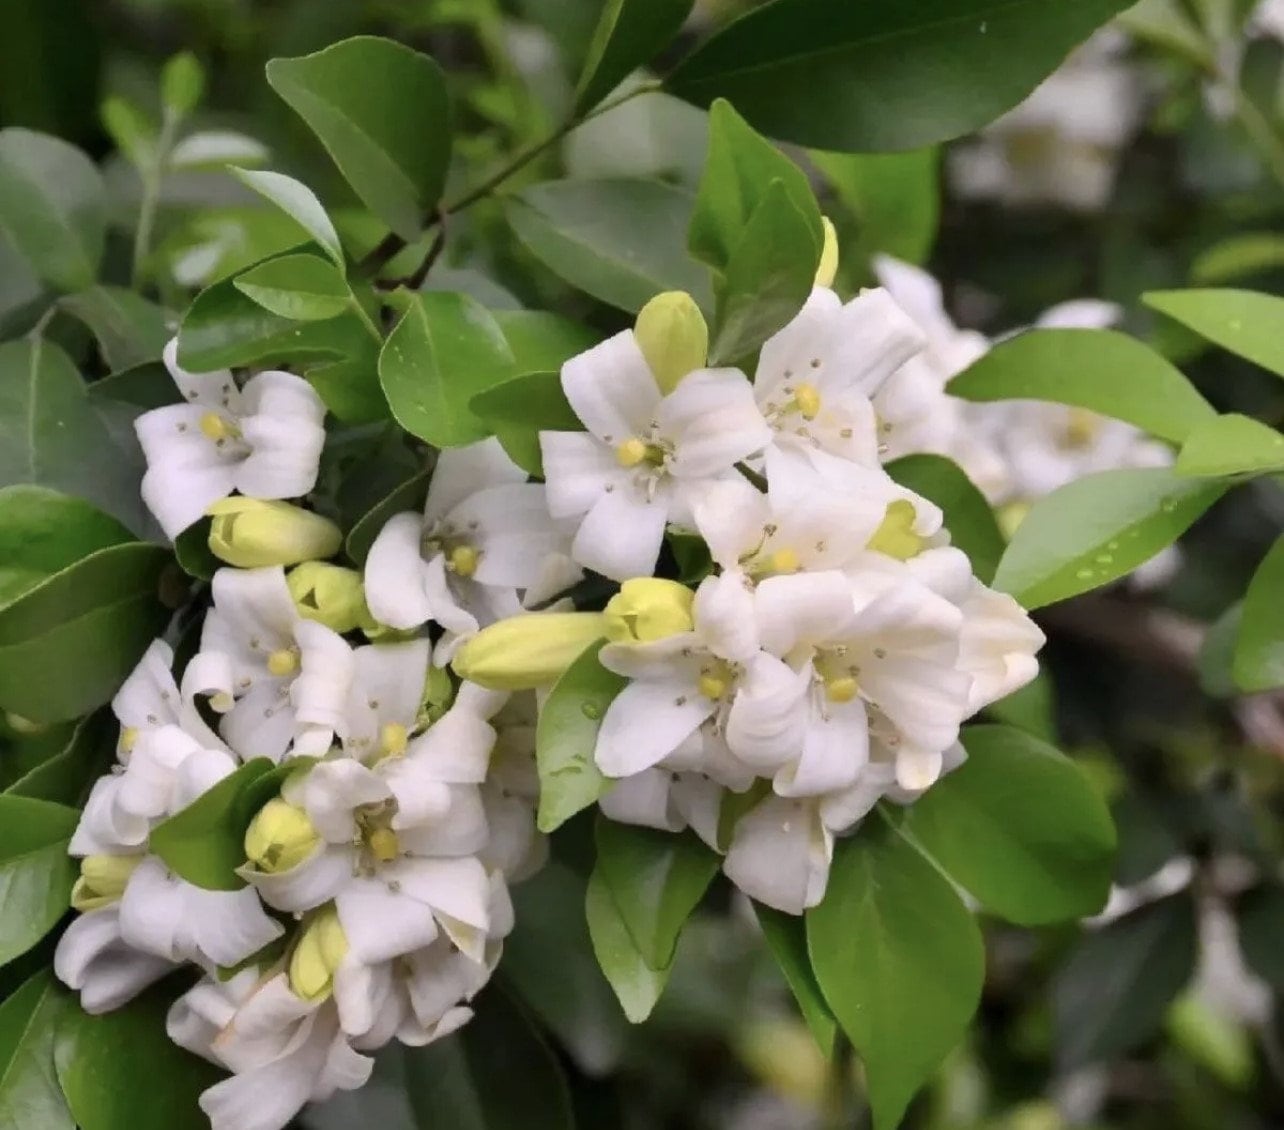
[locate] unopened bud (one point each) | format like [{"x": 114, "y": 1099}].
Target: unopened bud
[
  {"x": 527, "y": 651},
  {"x": 280, "y": 837},
  {"x": 330, "y": 595},
  {"x": 673, "y": 337},
  {"x": 102, "y": 881},
  {"x": 895, "y": 536},
  {"x": 648, "y": 608},
  {"x": 251, "y": 533},
  {"x": 828, "y": 266},
  {"x": 318, "y": 954}
]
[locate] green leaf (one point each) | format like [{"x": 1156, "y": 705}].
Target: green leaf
[
  {"x": 656, "y": 880},
  {"x": 1260, "y": 914},
  {"x": 29, "y": 1092},
  {"x": 738, "y": 174},
  {"x": 543, "y": 342},
  {"x": 518, "y": 410},
  {"x": 1099, "y": 528},
  {"x": 1217, "y": 654},
  {"x": 48, "y": 427},
  {"x": 145, "y": 386},
  {"x": 832, "y": 74},
  {"x": 786, "y": 936},
  {"x": 36, "y": 873},
  {"x": 899, "y": 959},
  {"x": 445, "y": 350},
  {"x": 1259, "y": 651},
  {"x": 298, "y": 202},
  {"x": 1031, "y": 709},
  {"x": 566, "y": 736},
  {"x": 408, "y": 496},
  {"x": 303, "y": 288},
  {"x": 1100, "y": 370},
  {"x": 623, "y": 241},
  {"x": 968, "y": 516},
  {"x": 205, "y": 842},
  {"x": 629, "y": 34},
  {"x": 1112, "y": 994},
  {"x": 182, "y": 84},
  {"x": 217, "y": 148},
  {"x": 1231, "y": 445},
  {"x": 52, "y": 207},
  {"x": 636, "y": 986},
  {"x": 769, "y": 276},
  {"x": 129, "y": 329},
  {"x": 895, "y": 199},
  {"x": 382, "y": 113},
  {"x": 496, "y": 1073},
  {"x": 65, "y": 776},
  {"x": 121, "y": 1069},
  {"x": 1240, "y": 256},
  {"x": 131, "y": 129},
  {"x": 1242, "y": 321},
  {"x": 1019, "y": 826}
]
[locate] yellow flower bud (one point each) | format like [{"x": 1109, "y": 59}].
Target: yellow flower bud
[
  {"x": 828, "y": 266},
  {"x": 251, "y": 532},
  {"x": 673, "y": 337},
  {"x": 280, "y": 837},
  {"x": 102, "y": 880},
  {"x": 330, "y": 595},
  {"x": 896, "y": 536},
  {"x": 648, "y": 608},
  {"x": 527, "y": 651},
  {"x": 318, "y": 953}
]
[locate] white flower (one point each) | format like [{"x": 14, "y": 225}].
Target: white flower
[
  {"x": 150, "y": 697},
  {"x": 264, "y": 440},
  {"x": 997, "y": 645},
  {"x": 645, "y": 456},
  {"x": 275, "y": 677},
  {"x": 484, "y": 539},
  {"x": 94, "y": 960},
  {"x": 510, "y": 794}
]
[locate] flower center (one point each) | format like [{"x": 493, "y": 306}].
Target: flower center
[
  {"x": 393, "y": 739},
  {"x": 633, "y": 452},
  {"x": 283, "y": 662},
  {"x": 218, "y": 428},
  {"x": 375, "y": 840},
  {"x": 807, "y": 401},
  {"x": 838, "y": 676},
  {"x": 716, "y": 679},
  {"x": 1081, "y": 430},
  {"x": 462, "y": 560}
]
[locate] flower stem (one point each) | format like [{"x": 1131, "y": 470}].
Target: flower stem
[{"x": 151, "y": 177}]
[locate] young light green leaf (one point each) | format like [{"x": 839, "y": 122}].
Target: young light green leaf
[
  {"x": 1242, "y": 321},
  {"x": 786, "y": 936},
  {"x": 831, "y": 74},
  {"x": 656, "y": 879},
  {"x": 132, "y": 131},
  {"x": 129, "y": 329},
  {"x": 740, "y": 170},
  {"x": 518, "y": 410},
  {"x": 182, "y": 84},
  {"x": 968, "y": 516},
  {"x": 900, "y": 962},
  {"x": 36, "y": 873},
  {"x": 298, "y": 202},
  {"x": 303, "y": 288},
  {"x": 629, "y": 34},
  {"x": 1231, "y": 445},
  {"x": 1240, "y": 256},
  {"x": 217, "y": 147},
  {"x": 1019, "y": 826},
  {"x": 636, "y": 986},
  {"x": 382, "y": 113},
  {"x": 52, "y": 207},
  {"x": 623, "y": 241},
  {"x": 29, "y": 1092},
  {"x": 1097, "y": 529},
  {"x": 566, "y": 736},
  {"x": 445, "y": 350},
  {"x": 1100, "y": 370},
  {"x": 1259, "y": 652}
]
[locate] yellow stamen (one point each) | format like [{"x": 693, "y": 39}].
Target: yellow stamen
[
  {"x": 1081, "y": 428},
  {"x": 283, "y": 662},
  {"x": 128, "y": 739},
  {"x": 383, "y": 844},
  {"x": 784, "y": 561},
  {"x": 215, "y": 427},
  {"x": 842, "y": 689},
  {"x": 630, "y": 453},
  {"x": 807, "y": 397},
  {"x": 462, "y": 560},
  {"x": 221, "y": 702},
  {"x": 712, "y": 686},
  {"x": 393, "y": 739}
]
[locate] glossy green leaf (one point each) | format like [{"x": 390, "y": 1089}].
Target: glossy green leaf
[
  {"x": 543, "y": 342},
  {"x": 656, "y": 880},
  {"x": 636, "y": 986},
  {"x": 122, "y": 1069},
  {"x": 1020, "y": 827},
  {"x": 1260, "y": 914},
  {"x": 832, "y": 74},
  {"x": 1032, "y": 708},
  {"x": 69, "y": 768},
  {"x": 1242, "y": 321},
  {"x": 786, "y": 936},
  {"x": 382, "y": 113},
  {"x": 899, "y": 959},
  {"x": 298, "y": 202},
  {"x": 408, "y": 496},
  {"x": 1101, "y": 370},
  {"x": 303, "y": 288},
  {"x": 1097, "y": 529},
  {"x": 29, "y": 1092},
  {"x": 445, "y": 350},
  {"x": 629, "y": 34},
  {"x": 768, "y": 278},
  {"x": 204, "y": 843},
  {"x": 968, "y": 516},
  {"x": 1240, "y": 256},
  {"x": 1112, "y": 994},
  {"x": 1259, "y": 651},
  {"x": 52, "y": 207},
  {"x": 519, "y": 409},
  {"x": 144, "y": 386},
  {"x": 566, "y": 735},
  {"x": 739, "y": 172},
  {"x": 1231, "y": 445},
  {"x": 129, "y": 329},
  {"x": 622, "y": 241},
  {"x": 895, "y": 199},
  {"x": 36, "y": 873}
]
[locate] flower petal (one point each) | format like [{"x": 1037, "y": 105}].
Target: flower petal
[
  {"x": 462, "y": 471},
  {"x": 394, "y": 574},
  {"x": 780, "y": 854},
  {"x": 611, "y": 388},
  {"x": 645, "y": 723},
  {"x": 382, "y": 924},
  {"x": 713, "y": 422},
  {"x": 621, "y": 535}
]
